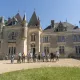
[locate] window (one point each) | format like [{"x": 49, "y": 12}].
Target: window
[
  {"x": 77, "y": 49},
  {"x": 46, "y": 50},
  {"x": 76, "y": 38},
  {"x": 12, "y": 36},
  {"x": 61, "y": 50},
  {"x": 46, "y": 39},
  {"x": 61, "y": 38},
  {"x": 33, "y": 37},
  {"x": 12, "y": 50}
]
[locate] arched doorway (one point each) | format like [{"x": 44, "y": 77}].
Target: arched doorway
[{"x": 33, "y": 49}]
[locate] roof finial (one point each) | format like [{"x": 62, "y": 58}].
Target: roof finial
[
  {"x": 38, "y": 21},
  {"x": 60, "y": 21},
  {"x": 79, "y": 23},
  {"x": 38, "y": 17},
  {"x": 18, "y": 11},
  {"x": 34, "y": 9},
  {"x": 66, "y": 19}
]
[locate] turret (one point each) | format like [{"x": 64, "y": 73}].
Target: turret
[
  {"x": 24, "y": 26},
  {"x": 24, "y": 22},
  {"x": 2, "y": 23}
]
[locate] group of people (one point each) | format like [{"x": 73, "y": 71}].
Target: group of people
[
  {"x": 20, "y": 58},
  {"x": 31, "y": 57}
]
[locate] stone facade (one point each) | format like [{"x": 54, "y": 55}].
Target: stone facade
[{"x": 16, "y": 35}]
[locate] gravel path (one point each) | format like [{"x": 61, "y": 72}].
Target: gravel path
[{"x": 6, "y": 66}]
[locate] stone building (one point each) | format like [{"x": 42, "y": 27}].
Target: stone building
[{"x": 18, "y": 35}]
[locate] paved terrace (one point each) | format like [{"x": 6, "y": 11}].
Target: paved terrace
[{"x": 6, "y": 66}]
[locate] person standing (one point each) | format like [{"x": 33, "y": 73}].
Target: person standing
[
  {"x": 20, "y": 55},
  {"x": 57, "y": 55},
  {"x": 47, "y": 56},
  {"x": 38, "y": 56},
  {"x": 12, "y": 59},
  {"x": 43, "y": 56},
  {"x": 23, "y": 57},
  {"x": 51, "y": 56},
  {"x": 31, "y": 56},
  {"x": 28, "y": 57}
]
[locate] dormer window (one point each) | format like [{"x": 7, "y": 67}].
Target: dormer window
[{"x": 60, "y": 28}]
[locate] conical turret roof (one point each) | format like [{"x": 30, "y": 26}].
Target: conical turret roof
[{"x": 33, "y": 20}]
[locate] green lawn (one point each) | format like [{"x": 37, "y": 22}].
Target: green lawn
[{"x": 54, "y": 73}]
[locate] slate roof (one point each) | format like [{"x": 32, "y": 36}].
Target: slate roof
[
  {"x": 17, "y": 18},
  {"x": 65, "y": 24},
  {"x": 34, "y": 20}
]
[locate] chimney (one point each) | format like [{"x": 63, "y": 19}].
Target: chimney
[
  {"x": 52, "y": 23},
  {"x": 3, "y": 20}
]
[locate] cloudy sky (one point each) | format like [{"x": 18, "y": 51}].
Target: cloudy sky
[{"x": 47, "y": 10}]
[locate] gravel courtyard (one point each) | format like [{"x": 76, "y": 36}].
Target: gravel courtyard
[{"x": 6, "y": 66}]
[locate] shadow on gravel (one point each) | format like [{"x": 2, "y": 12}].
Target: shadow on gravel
[{"x": 32, "y": 62}]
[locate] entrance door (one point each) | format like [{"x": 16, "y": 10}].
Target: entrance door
[{"x": 34, "y": 51}]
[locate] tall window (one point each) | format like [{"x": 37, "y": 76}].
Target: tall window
[
  {"x": 77, "y": 49},
  {"x": 33, "y": 37},
  {"x": 46, "y": 50},
  {"x": 12, "y": 50},
  {"x": 61, "y": 38},
  {"x": 76, "y": 38},
  {"x": 61, "y": 50},
  {"x": 46, "y": 39}
]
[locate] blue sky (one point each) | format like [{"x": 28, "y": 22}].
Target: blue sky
[{"x": 47, "y": 10}]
